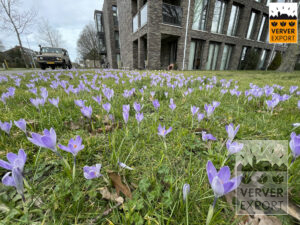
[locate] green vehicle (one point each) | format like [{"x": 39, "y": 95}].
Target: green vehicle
[{"x": 53, "y": 57}]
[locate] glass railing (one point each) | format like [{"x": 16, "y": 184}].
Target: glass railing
[
  {"x": 144, "y": 15},
  {"x": 135, "y": 23},
  {"x": 172, "y": 14}
]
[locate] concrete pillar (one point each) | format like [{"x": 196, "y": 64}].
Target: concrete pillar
[
  {"x": 220, "y": 54},
  {"x": 235, "y": 57},
  {"x": 210, "y": 14},
  {"x": 154, "y": 35},
  {"x": 227, "y": 17},
  {"x": 256, "y": 26},
  {"x": 141, "y": 54},
  {"x": 204, "y": 55},
  {"x": 244, "y": 22}
]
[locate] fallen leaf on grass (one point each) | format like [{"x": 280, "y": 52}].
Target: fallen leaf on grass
[
  {"x": 109, "y": 128},
  {"x": 109, "y": 196},
  {"x": 117, "y": 182}
]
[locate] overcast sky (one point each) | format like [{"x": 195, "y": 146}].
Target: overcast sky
[{"x": 68, "y": 16}]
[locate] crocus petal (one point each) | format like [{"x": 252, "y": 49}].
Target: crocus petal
[
  {"x": 211, "y": 171},
  {"x": 5, "y": 165},
  {"x": 48, "y": 143},
  {"x": 11, "y": 157},
  {"x": 224, "y": 174},
  {"x": 217, "y": 187},
  {"x": 18, "y": 178},
  {"x": 8, "y": 180}
]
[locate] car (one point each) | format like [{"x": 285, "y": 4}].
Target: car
[{"x": 53, "y": 57}]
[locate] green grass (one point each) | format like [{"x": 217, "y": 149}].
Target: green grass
[{"x": 159, "y": 174}]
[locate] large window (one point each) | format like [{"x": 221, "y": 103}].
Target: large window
[
  {"x": 144, "y": 15},
  {"x": 262, "y": 59},
  {"x": 226, "y": 57},
  {"x": 243, "y": 56},
  {"x": 212, "y": 56},
  {"x": 200, "y": 12},
  {"x": 117, "y": 39},
  {"x": 233, "y": 20},
  {"x": 218, "y": 18},
  {"x": 195, "y": 57},
  {"x": 251, "y": 25},
  {"x": 115, "y": 15},
  {"x": 135, "y": 23},
  {"x": 263, "y": 29}
]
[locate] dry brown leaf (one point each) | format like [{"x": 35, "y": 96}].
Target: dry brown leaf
[
  {"x": 109, "y": 196},
  {"x": 117, "y": 182}
]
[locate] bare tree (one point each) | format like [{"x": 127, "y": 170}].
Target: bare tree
[
  {"x": 1, "y": 46},
  {"x": 88, "y": 44},
  {"x": 49, "y": 36},
  {"x": 16, "y": 20}
]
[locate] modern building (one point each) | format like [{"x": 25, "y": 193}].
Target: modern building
[
  {"x": 107, "y": 24},
  {"x": 191, "y": 34}
]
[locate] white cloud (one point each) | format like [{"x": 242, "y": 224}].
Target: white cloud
[{"x": 68, "y": 16}]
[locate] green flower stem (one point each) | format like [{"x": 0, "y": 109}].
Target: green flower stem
[
  {"x": 187, "y": 210},
  {"x": 74, "y": 168}
]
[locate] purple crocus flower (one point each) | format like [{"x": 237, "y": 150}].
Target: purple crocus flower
[
  {"x": 299, "y": 104},
  {"x": 44, "y": 93},
  {"x": 98, "y": 99},
  {"x": 54, "y": 101},
  {"x": 295, "y": 145},
  {"x": 87, "y": 111},
  {"x": 139, "y": 117},
  {"x": 91, "y": 172},
  {"x": 293, "y": 89},
  {"x": 234, "y": 147},
  {"x": 209, "y": 110},
  {"x": 152, "y": 93},
  {"x": 48, "y": 140},
  {"x": 162, "y": 131},
  {"x": 232, "y": 131},
  {"x": 21, "y": 124},
  {"x": 16, "y": 165},
  {"x": 185, "y": 191},
  {"x": 80, "y": 103},
  {"x": 220, "y": 181},
  {"x": 74, "y": 146},
  {"x": 200, "y": 117},
  {"x": 126, "y": 109},
  {"x": 124, "y": 166},
  {"x": 272, "y": 103},
  {"x": 6, "y": 126},
  {"x": 106, "y": 107},
  {"x": 156, "y": 104},
  {"x": 137, "y": 107},
  {"x": 37, "y": 102},
  {"x": 172, "y": 105},
  {"x": 14, "y": 161},
  {"x": 215, "y": 104},
  {"x": 206, "y": 137},
  {"x": 194, "y": 110}
]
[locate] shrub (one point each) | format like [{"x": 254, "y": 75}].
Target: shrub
[
  {"x": 276, "y": 62},
  {"x": 251, "y": 60}
]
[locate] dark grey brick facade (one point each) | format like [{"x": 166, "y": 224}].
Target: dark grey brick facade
[{"x": 150, "y": 46}]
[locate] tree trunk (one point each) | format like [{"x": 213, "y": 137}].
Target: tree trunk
[
  {"x": 22, "y": 50},
  {"x": 289, "y": 57}
]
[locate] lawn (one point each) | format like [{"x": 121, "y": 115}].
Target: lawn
[{"x": 142, "y": 173}]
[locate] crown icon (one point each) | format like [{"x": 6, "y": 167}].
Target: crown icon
[
  {"x": 274, "y": 24},
  {"x": 292, "y": 24},
  {"x": 283, "y": 24}
]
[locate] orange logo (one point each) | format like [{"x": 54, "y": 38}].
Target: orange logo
[{"x": 283, "y": 23}]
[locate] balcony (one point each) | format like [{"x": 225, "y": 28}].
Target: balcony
[{"x": 171, "y": 14}]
